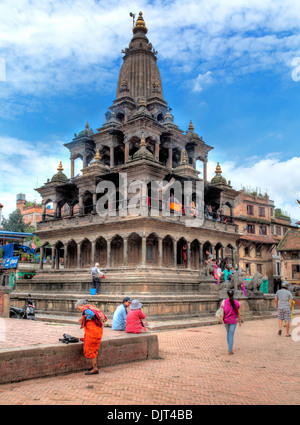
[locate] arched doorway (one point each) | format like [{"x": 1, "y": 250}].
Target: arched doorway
[
  {"x": 182, "y": 253},
  {"x": 134, "y": 249},
  {"x": 101, "y": 251},
  {"x": 195, "y": 254},
  {"x": 117, "y": 247},
  {"x": 86, "y": 253},
  {"x": 72, "y": 255},
  {"x": 168, "y": 252},
  {"x": 152, "y": 249}
]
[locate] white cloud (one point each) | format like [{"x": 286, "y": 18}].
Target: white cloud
[
  {"x": 280, "y": 179},
  {"x": 202, "y": 81},
  {"x": 63, "y": 45},
  {"x": 26, "y": 166}
]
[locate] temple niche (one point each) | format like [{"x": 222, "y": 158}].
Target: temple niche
[{"x": 149, "y": 234}]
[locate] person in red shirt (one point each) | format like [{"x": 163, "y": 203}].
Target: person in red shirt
[{"x": 134, "y": 324}]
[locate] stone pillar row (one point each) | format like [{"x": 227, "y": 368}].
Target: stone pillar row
[
  {"x": 55, "y": 254},
  {"x": 126, "y": 156}
]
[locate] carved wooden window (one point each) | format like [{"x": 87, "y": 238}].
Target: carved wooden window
[
  {"x": 262, "y": 211},
  {"x": 250, "y": 209},
  {"x": 251, "y": 228},
  {"x": 262, "y": 230}
]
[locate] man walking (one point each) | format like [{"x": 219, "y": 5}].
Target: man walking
[
  {"x": 120, "y": 315},
  {"x": 96, "y": 273},
  {"x": 283, "y": 301}
]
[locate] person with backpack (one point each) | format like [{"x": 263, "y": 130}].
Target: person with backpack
[
  {"x": 232, "y": 312},
  {"x": 92, "y": 321}
]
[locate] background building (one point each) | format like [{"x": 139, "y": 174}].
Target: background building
[
  {"x": 289, "y": 248},
  {"x": 31, "y": 211}
]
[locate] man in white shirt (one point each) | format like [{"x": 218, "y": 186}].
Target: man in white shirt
[{"x": 96, "y": 273}]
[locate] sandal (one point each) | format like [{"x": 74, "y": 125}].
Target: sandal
[
  {"x": 93, "y": 373},
  {"x": 289, "y": 335}
]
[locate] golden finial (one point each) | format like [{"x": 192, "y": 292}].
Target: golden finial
[
  {"x": 97, "y": 157},
  {"x": 140, "y": 24},
  {"x": 60, "y": 167},
  {"x": 218, "y": 169},
  {"x": 142, "y": 103},
  {"x": 87, "y": 125},
  {"x": 191, "y": 127},
  {"x": 143, "y": 140}
]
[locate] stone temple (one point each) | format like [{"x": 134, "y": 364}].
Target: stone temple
[{"x": 155, "y": 256}]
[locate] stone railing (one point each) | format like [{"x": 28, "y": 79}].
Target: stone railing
[{"x": 94, "y": 218}]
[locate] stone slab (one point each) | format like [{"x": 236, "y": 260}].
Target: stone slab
[{"x": 26, "y": 354}]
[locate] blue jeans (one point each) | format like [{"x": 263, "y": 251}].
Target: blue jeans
[{"x": 230, "y": 328}]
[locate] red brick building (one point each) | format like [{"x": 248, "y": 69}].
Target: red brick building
[
  {"x": 289, "y": 248},
  {"x": 31, "y": 211}
]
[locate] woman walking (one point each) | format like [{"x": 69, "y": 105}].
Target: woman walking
[
  {"x": 92, "y": 320},
  {"x": 232, "y": 312}
]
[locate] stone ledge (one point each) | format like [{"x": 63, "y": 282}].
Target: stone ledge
[{"x": 19, "y": 364}]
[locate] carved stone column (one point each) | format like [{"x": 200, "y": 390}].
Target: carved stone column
[
  {"x": 53, "y": 258},
  {"x": 112, "y": 157},
  {"x": 205, "y": 170},
  {"x": 93, "y": 252},
  {"x": 66, "y": 256},
  {"x": 55, "y": 210},
  {"x": 188, "y": 254},
  {"x": 84, "y": 161},
  {"x": 72, "y": 168},
  {"x": 201, "y": 256},
  {"x": 125, "y": 247},
  {"x": 80, "y": 199},
  {"x": 94, "y": 202},
  {"x": 41, "y": 258},
  {"x": 144, "y": 250},
  {"x": 108, "y": 255},
  {"x": 44, "y": 212},
  {"x": 126, "y": 152},
  {"x": 160, "y": 251},
  {"x": 157, "y": 150},
  {"x": 170, "y": 158},
  {"x": 175, "y": 253},
  {"x": 79, "y": 255}
]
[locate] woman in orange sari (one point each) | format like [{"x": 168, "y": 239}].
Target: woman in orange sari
[{"x": 92, "y": 320}]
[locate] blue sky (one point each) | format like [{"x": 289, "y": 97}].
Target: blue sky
[{"x": 232, "y": 67}]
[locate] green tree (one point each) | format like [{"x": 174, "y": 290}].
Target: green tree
[{"x": 14, "y": 223}]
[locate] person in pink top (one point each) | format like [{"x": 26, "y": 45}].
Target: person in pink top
[
  {"x": 134, "y": 324},
  {"x": 232, "y": 312}
]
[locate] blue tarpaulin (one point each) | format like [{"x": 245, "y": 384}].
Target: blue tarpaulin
[{"x": 8, "y": 250}]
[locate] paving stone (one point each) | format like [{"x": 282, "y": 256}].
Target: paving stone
[{"x": 193, "y": 368}]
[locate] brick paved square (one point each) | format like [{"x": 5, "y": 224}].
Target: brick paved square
[{"x": 194, "y": 368}]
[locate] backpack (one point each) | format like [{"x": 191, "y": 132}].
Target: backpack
[{"x": 68, "y": 338}]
